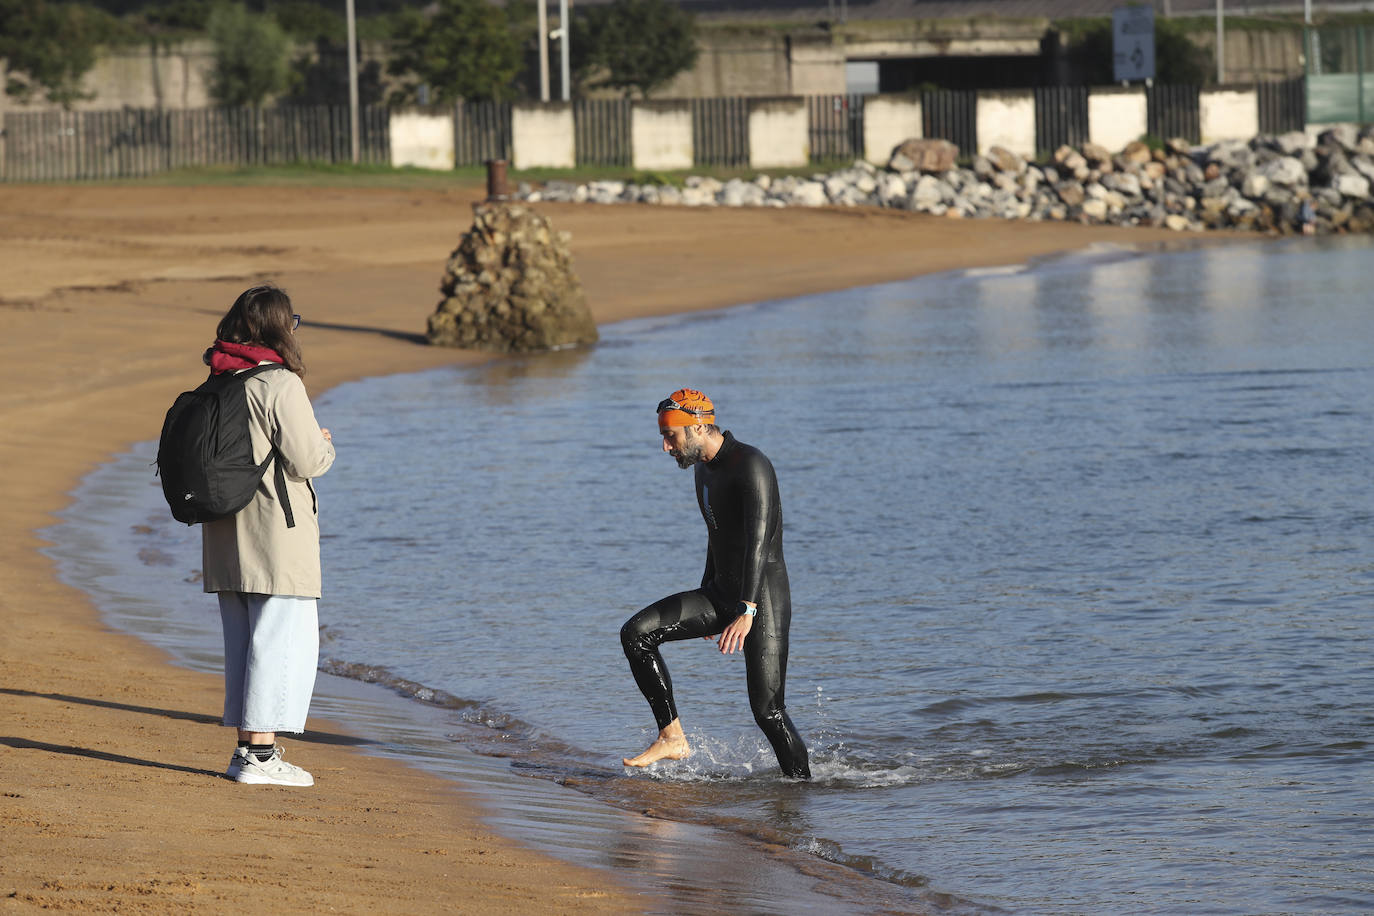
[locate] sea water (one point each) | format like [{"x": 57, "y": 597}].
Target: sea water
[{"x": 1082, "y": 563}]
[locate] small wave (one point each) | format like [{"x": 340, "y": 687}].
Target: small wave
[
  {"x": 1078, "y": 767},
  {"x": 375, "y": 674},
  {"x": 833, "y": 852},
  {"x": 977, "y": 273},
  {"x": 713, "y": 760}
]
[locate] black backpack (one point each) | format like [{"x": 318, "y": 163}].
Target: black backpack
[{"x": 205, "y": 453}]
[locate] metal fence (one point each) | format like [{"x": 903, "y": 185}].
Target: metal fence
[
  {"x": 132, "y": 143},
  {"x": 951, "y": 114},
  {"x": 66, "y": 146},
  {"x": 720, "y": 131},
  {"x": 601, "y": 132},
  {"x": 835, "y": 126},
  {"x": 481, "y": 131},
  {"x": 1061, "y": 117},
  {"x": 1282, "y": 106},
  {"x": 1173, "y": 111}
]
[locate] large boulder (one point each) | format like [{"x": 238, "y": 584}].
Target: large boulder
[
  {"x": 1136, "y": 153},
  {"x": 928, "y": 193},
  {"x": 1004, "y": 160},
  {"x": 509, "y": 286},
  {"x": 1096, "y": 154},
  {"x": 921, "y": 155},
  {"x": 808, "y": 194},
  {"x": 1285, "y": 171},
  {"x": 1352, "y": 185},
  {"x": 1344, "y": 136}
]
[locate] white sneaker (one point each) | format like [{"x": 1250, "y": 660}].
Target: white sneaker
[
  {"x": 272, "y": 772},
  {"x": 236, "y": 763}
]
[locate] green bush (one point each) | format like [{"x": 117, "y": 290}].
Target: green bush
[
  {"x": 250, "y": 57},
  {"x": 468, "y": 49},
  {"x": 634, "y": 45},
  {"x": 48, "y": 48}
]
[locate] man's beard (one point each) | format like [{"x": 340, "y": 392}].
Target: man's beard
[{"x": 689, "y": 454}]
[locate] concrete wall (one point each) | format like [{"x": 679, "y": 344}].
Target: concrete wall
[
  {"x": 733, "y": 64},
  {"x": 661, "y": 135},
  {"x": 1254, "y": 55},
  {"x": 802, "y": 60},
  {"x": 778, "y": 133},
  {"x": 888, "y": 120},
  {"x": 542, "y": 135},
  {"x": 174, "y": 77},
  {"x": 943, "y": 37},
  {"x": 1228, "y": 114},
  {"x": 1117, "y": 116},
  {"x": 422, "y": 140},
  {"x": 815, "y": 65},
  {"x": 1007, "y": 119},
  {"x": 139, "y": 77},
  {"x": 738, "y": 60}
]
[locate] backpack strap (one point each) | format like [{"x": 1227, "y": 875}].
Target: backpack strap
[
  {"x": 278, "y": 472},
  {"x": 282, "y": 497}
]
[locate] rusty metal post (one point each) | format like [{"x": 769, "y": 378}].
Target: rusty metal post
[{"x": 497, "y": 188}]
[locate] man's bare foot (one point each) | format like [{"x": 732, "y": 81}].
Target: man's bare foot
[{"x": 671, "y": 744}]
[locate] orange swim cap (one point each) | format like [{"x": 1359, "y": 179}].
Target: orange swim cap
[{"x": 685, "y": 407}]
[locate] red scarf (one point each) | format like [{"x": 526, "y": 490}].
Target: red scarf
[{"x": 226, "y": 356}]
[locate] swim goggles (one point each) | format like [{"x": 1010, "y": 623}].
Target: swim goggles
[{"x": 670, "y": 404}]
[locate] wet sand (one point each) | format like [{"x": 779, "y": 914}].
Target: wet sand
[{"x": 111, "y": 756}]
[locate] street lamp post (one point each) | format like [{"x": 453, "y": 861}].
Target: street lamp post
[
  {"x": 352, "y": 81},
  {"x": 543, "y": 50},
  {"x": 1221, "y": 47},
  {"x": 563, "y": 46}
]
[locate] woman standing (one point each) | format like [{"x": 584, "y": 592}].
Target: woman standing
[{"x": 264, "y": 562}]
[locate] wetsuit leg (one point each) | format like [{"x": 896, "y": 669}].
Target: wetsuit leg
[
  {"x": 682, "y": 616},
  {"x": 766, "y": 655}
]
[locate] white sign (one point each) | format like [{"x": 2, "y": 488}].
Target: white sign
[{"x": 1133, "y": 43}]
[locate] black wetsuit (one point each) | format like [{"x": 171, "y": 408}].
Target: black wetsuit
[{"x": 738, "y": 495}]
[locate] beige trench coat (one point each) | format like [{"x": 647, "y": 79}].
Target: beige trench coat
[{"x": 254, "y": 551}]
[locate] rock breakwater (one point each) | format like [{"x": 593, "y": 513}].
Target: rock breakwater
[
  {"x": 509, "y": 286},
  {"x": 1273, "y": 183}
]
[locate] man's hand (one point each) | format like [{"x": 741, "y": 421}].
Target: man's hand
[{"x": 732, "y": 637}]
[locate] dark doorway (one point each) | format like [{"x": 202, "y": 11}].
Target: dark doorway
[{"x": 912, "y": 73}]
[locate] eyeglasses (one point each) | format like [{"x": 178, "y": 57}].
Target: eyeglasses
[
  {"x": 295, "y": 322},
  {"x": 670, "y": 404}
]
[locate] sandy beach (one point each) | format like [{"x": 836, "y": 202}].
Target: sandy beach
[{"x": 111, "y": 757}]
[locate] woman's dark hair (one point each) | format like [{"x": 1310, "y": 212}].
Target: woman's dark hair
[{"x": 262, "y": 316}]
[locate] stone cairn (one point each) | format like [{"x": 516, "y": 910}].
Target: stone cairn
[
  {"x": 1273, "y": 184},
  {"x": 509, "y": 286}
]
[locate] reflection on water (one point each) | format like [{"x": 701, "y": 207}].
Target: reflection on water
[{"x": 1079, "y": 555}]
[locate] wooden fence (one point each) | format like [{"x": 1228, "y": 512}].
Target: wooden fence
[{"x": 131, "y": 143}]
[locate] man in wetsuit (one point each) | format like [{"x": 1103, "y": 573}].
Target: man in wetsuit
[{"x": 743, "y": 600}]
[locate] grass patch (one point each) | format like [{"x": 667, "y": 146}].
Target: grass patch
[
  {"x": 316, "y": 175},
  {"x": 330, "y": 175}
]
